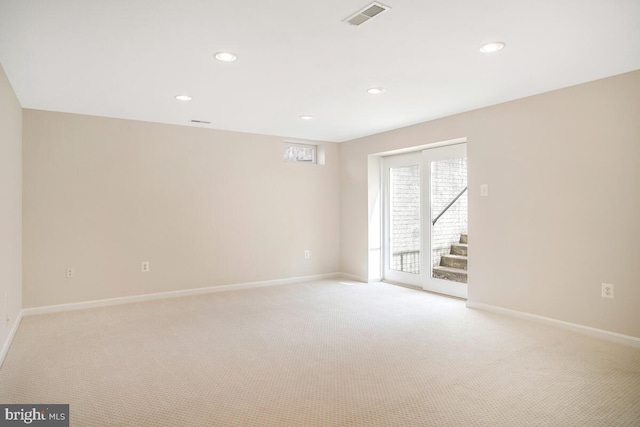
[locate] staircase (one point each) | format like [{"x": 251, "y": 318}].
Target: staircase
[{"x": 454, "y": 266}]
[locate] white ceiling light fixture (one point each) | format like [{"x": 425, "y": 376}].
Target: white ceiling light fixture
[
  {"x": 225, "y": 56},
  {"x": 366, "y": 13},
  {"x": 376, "y": 90},
  {"x": 306, "y": 117},
  {"x": 183, "y": 98},
  {"x": 492, "y": 47}
]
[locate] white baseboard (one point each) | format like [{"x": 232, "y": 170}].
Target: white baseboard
[
  {"x": 352, "y": 277},
  {"x": 599, "y": 333},
  {"x": 173, "y": 294},
  {"x": 9, "y": 340}
]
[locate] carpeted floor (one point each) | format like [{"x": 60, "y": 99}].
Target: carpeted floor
[{"x": 318, "y": 354}]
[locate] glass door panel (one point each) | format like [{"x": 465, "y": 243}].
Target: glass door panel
[
  {"x": 403, "y": 237},
  {"x": 448, "y": 218},
  {"x": 404, "y": 192},
  {"x": 445, "y": 198}
]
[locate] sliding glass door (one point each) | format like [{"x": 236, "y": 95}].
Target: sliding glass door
[{"x": 426, "y": 219}]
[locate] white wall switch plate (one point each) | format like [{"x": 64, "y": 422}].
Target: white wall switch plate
[{"x": 484, "y": 190}]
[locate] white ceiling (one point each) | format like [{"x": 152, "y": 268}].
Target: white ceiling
[{"x": 129, "y": 58}]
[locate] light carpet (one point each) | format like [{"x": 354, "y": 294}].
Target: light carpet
[{"x": 318, "y": 354}]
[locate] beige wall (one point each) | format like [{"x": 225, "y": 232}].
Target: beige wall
[
  {"x": 210, "y": 207},
  {"x": 204, "y": 207},
  {"x": 563, "y": 212},
  {"x": 11, "y": 207}
]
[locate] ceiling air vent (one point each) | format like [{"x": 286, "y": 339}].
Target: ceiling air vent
[
  {"x": 367, "y": 13},
  {"x": 201, "y": 121}
]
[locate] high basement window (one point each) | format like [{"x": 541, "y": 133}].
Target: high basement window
[{"x": 300, "y": 153}]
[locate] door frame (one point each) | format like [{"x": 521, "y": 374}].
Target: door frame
[
  {"x": 400, "y": 160},
  {"x": 448, "y": 149}
]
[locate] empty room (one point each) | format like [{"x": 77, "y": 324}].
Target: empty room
[{"x": 336, "y": 213}]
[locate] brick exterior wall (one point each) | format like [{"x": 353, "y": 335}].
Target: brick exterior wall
[
  {"x": 405, "y": 214},
  {"x": 448, "y": 178}
]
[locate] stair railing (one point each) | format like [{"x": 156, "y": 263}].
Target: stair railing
[{"x": 455, "y": 199}]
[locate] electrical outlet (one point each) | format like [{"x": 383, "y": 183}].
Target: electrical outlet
[
  {"x": 144, "y": 266},
  {"x": 484, "y": 190},
  {"x": 607, "y": 290},
  {"x": 71, "y": 272},
  {"x": 307, "y": 254}
]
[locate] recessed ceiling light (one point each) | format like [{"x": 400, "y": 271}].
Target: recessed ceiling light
[
  {"x": 183, "y": 98},
  {"x": 491, "y": 47},
  {"x": 225, "y": 56},
  {"x": 306, "y": 117},
  {"x": 376, "y": 90}
]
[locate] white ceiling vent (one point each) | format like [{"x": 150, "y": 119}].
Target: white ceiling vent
[{"x": 366, "y": 13}]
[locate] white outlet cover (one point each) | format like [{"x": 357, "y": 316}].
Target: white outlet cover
[
  {"x": 484, "y": 190},
  {"x": 607, "y": 290}
]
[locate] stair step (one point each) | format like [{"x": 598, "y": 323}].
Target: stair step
[
  {"x": 455, "y": 261},
  {"x": 463, "y": 238},
  {"x": 448, "y": 273},
  {"x": 459, "y": 249}
]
